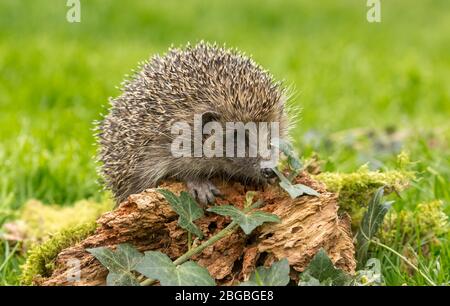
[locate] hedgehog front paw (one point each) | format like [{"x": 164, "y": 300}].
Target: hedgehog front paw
[{"x": 203, "y": 191}]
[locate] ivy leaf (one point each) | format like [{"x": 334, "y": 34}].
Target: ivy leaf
[
  {"x": 247, "y": 221},
  {"x": 322, "y": 270},
  {"x": 295, "y": 164},
  {"x": 119, "y": 263},
  {"x": 187, "y": 209},
  {"x": 276, "y": 275},
  {"x": 294, "y": 191},
  {"x": 371, "y": 222},
  {"x": 293, "y": 161},
  {"x": 121, "y": 279},
  {"x": 297, "y": 190},
  {"x": 308, "y": 280},
  {"x": 370, "y": 275},
  {"x": 159, "y": 266}
]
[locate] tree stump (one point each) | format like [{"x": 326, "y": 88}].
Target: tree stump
[{"x": 146, "y": 221}]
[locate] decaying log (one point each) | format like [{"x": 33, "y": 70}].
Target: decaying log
[{"x": 146, "y": 221}]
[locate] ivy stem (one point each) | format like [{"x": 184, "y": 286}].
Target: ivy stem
[
  {"x": 189, "y": 242},
  {"x": 222, "y": 234},
  {"x": 228, "y": 230},
  {"x": 148, "y": 282},
  {"x": 186, "y": 256}
]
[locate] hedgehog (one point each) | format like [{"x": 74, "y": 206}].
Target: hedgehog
[{"x": 219, "y": 84}]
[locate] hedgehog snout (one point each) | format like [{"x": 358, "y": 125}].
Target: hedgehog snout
[{"x": 268, "y": 173}]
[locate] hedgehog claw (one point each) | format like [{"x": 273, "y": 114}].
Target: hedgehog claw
[{"x": 203, "y": 191}]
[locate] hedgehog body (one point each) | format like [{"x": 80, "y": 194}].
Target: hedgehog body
[{"x": 135, "y": 136}]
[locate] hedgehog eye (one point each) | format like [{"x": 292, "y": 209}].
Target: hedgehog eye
[
  {"x": 206, "y": 118},
  {"x": 209, "y": 117}
]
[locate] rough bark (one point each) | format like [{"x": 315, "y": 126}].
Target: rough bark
[{"x": 146, "y": 221}]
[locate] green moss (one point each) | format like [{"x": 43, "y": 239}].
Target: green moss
[
  {"x": 38, "y": 221},
  {"x": 355, "y": 189},
  {"x": 50, "y": 229},
  {"x": 40, "y": 260},
  {"x": 427, "y": 223}
]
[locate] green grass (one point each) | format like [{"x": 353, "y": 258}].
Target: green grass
[{"x": 56, "y": 77}]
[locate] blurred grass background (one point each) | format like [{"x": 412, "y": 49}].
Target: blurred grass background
[{"x": 346, "y": 74}]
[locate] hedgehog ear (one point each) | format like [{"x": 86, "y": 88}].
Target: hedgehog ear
[{"x": 209, "y": 117}]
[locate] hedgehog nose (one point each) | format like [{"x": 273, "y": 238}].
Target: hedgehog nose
[{"x": 268, "y": 173}]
